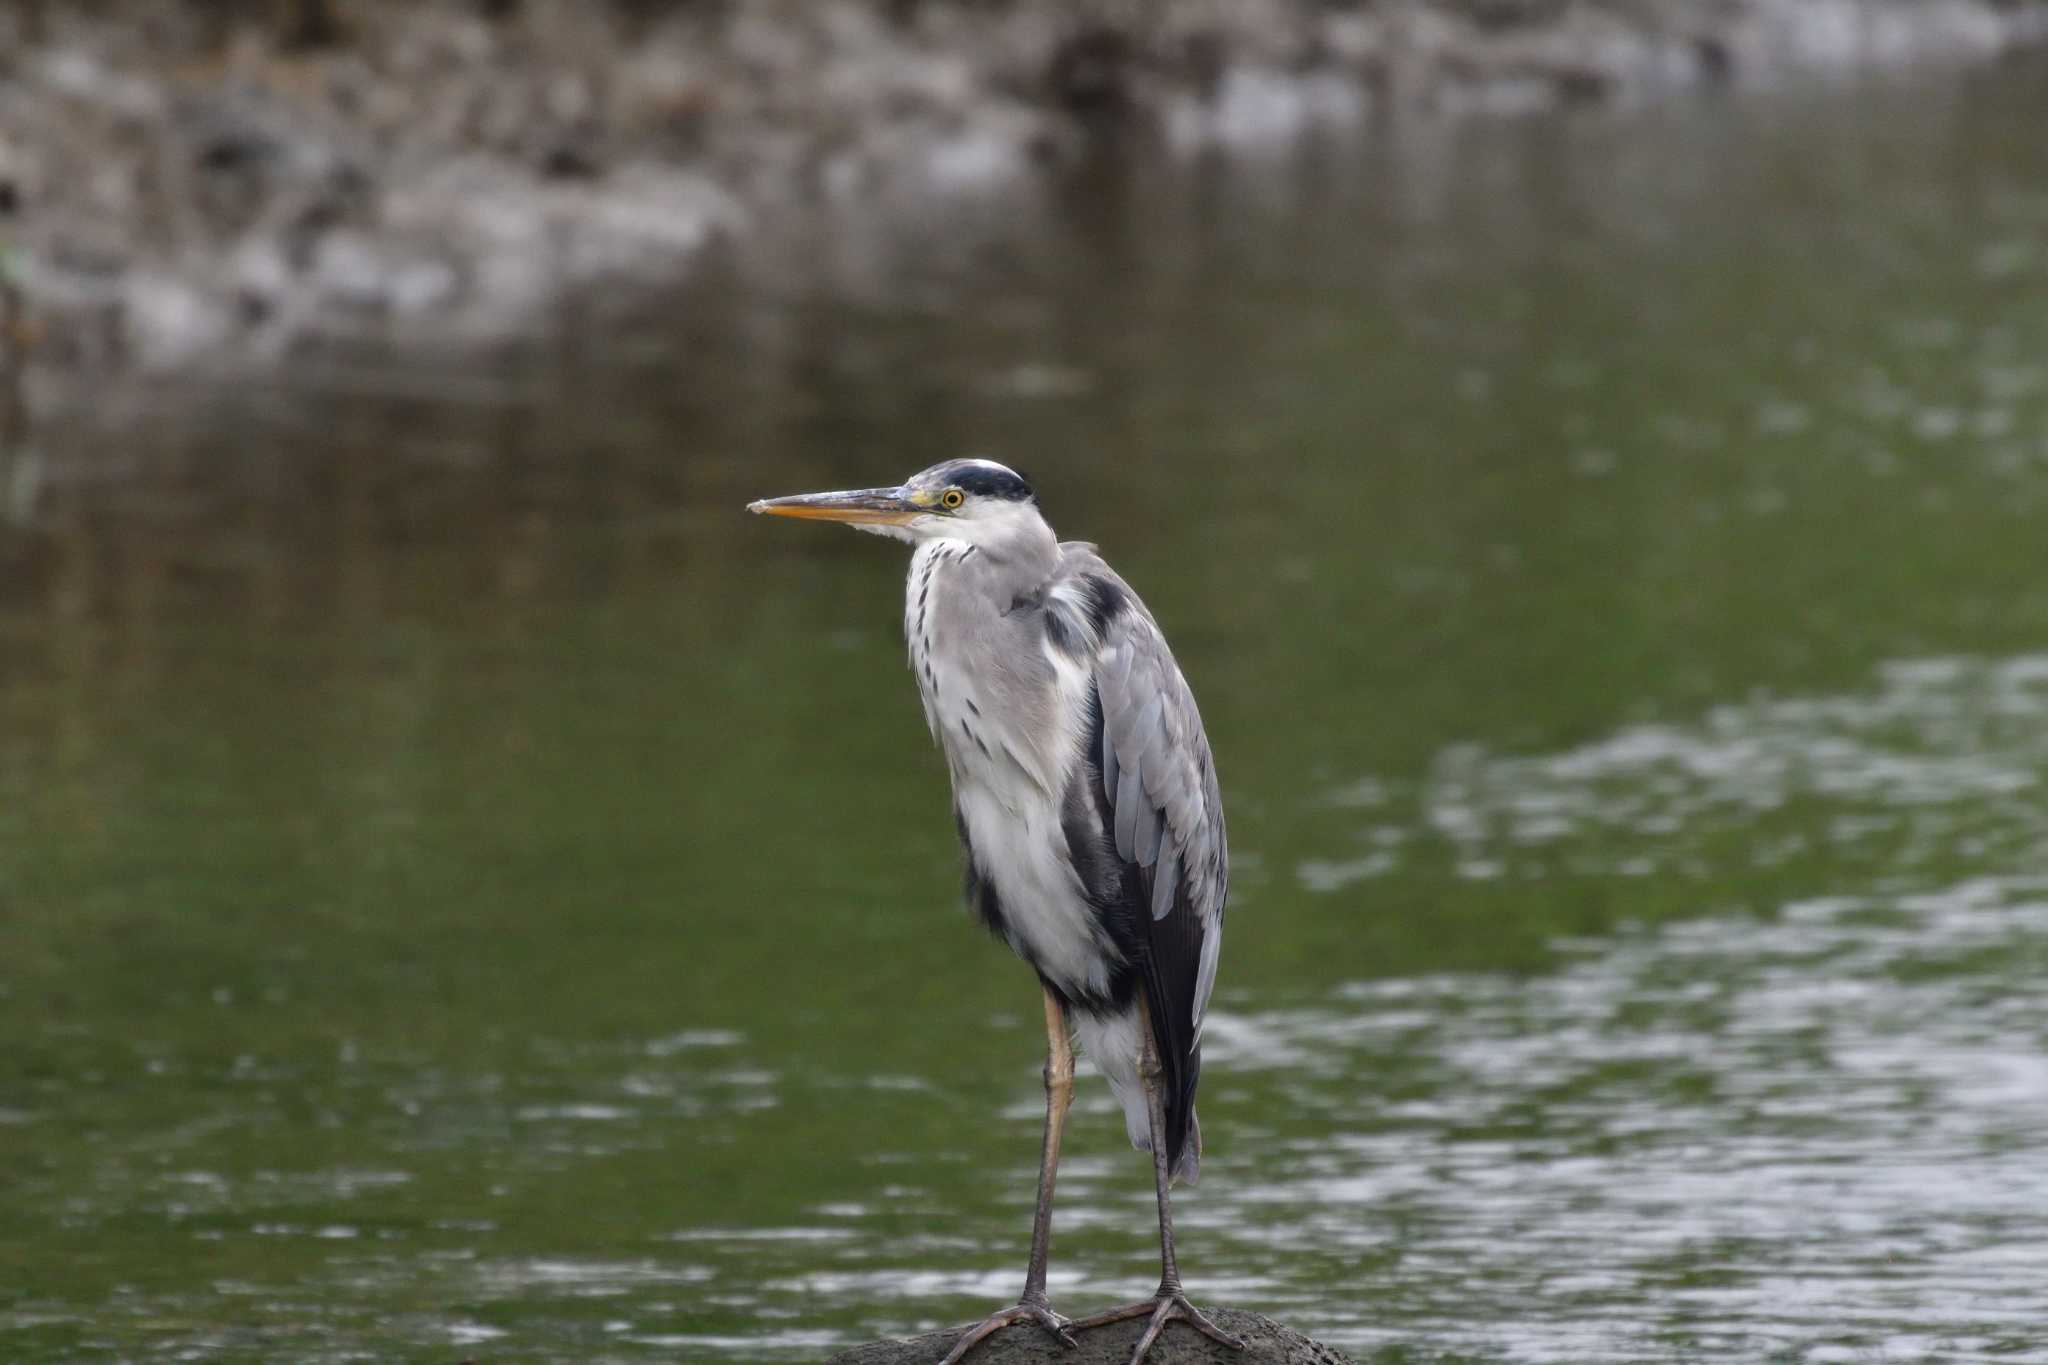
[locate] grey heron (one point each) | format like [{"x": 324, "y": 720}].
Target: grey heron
[{"x": 1087, "y": 803}]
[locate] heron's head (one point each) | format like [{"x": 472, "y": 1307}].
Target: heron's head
[{"x": 976, "y": 501}]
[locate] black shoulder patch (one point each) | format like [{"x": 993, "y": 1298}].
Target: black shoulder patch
[
  {"x": 1106, "y": 602},
  {"x": 1102, "y": 601}
]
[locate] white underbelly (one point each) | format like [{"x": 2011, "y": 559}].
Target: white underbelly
[{"x": 1019, "y": 849}]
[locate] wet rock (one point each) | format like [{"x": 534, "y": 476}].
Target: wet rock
[{"x": 1266, "y": 1342}]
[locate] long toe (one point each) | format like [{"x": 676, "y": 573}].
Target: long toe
[
  {"x": 1038, "y": 1313},
  {"x": 1195, "y": 1318},
  {"x": 1159, "y": 1311}
]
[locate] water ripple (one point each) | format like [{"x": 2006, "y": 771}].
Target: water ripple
[{"x": 1942, "y": 755}]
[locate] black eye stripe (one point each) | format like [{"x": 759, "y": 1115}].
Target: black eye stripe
[
  {"x": 975, "y": 479},
  {"x": 986, "y": 482}
]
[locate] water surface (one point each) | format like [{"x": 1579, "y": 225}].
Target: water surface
[{"x": 465, "y": 890}]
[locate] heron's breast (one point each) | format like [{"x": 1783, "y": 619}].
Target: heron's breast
[
  {"x": 1000, "y": 710},
  {"x": 992, "y": 697}
]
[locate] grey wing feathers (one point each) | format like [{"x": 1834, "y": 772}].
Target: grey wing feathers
[
  {"x": 1166, "y": 819},
  {"x": 1157, "y": 773}
]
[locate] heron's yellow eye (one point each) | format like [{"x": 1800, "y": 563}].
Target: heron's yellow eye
[{"x": 951, "y": 499}]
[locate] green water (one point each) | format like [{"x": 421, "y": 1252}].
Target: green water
[{"x": 467, "y": 890}]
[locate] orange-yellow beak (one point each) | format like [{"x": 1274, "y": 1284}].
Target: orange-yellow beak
[{"x": 888, "y": 506}]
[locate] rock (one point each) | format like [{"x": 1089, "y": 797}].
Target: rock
[{"x": 1266, "y": 1342}]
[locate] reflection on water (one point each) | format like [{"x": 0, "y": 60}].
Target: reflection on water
[{"x": 465, "y": 890}]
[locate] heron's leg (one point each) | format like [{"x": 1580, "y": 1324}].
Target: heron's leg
[
  {"x": 1059, "y": 1094},
  {"x": 1171, "y": 1302}
]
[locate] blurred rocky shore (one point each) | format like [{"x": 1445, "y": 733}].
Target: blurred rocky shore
[{"x": 187, "y": 180}]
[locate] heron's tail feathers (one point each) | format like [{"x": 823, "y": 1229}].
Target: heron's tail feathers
[
  {"x": 1187, "y": 1162},
  {"x": 1112, "y": 1043}
]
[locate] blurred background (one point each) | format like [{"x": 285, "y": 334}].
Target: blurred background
[{"x": 466, "y": 891}]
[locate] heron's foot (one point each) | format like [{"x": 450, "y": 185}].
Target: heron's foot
[
  {"x": 1168, "y": 1305},
  {"x": 1038, "y": 1311}
]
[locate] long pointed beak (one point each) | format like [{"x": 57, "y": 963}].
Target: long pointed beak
[{"x": 887, "y": 506}]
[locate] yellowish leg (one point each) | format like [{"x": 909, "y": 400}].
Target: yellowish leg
[{"x": 1059, "y": 1095}]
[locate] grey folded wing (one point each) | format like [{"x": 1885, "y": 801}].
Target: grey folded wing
[{"x": 1159, "y": 781}]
